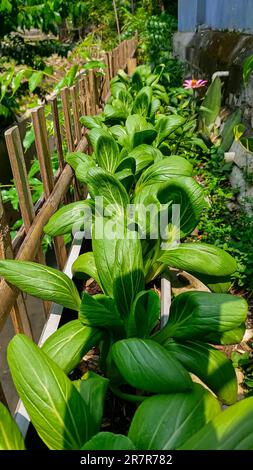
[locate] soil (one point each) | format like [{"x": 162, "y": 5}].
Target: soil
[
  {"x": 118, "y": 414},
  {"x": 92, "y": 287}
]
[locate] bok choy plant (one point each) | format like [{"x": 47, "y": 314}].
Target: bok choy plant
[
  {"x": 159, "y": 184},
  {"x": 202, "y": 424},
  {"x": 73, "y": 411},
  {"x": 123, "y": 318},
  {"x": 135, "y": 183}
]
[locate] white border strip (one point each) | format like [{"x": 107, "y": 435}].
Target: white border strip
[
  {"x": 165, "y": 301},
  {"x": 21, "y": 416}
]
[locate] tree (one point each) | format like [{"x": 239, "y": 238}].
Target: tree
[{"x": 46, "y": 16}]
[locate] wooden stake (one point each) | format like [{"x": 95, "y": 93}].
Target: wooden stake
[
  {"x": 29, "y": 247},
  {"x": 131, "y": 66},
  {"x": 20, "y": 319},
  {"x": 76, "y": 113},
  {"x": 44, "y": 155},
  {"x": 2, "y": 397},
  {"x": 107, "y": 73},
  {"x": 92, "y": 88},
  {"x": 67, "y": 119},
  {"x": 42, "y": 147},
  {"x": 88, "y": 96},
  {"x": 17, "y": 161},
  {"x": 57, "y": 131},
  {"x": 82, "y": 94}
]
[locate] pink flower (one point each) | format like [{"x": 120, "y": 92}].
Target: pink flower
[{"x": 194, "y": 83}]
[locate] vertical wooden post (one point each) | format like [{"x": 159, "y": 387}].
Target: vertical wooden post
[
  {"x": 19, "y": 317},
  {"x": 58, "y": 138},
  {"x": 131, "y": 65},
  {"x": 69, "y": 132},
  {"x": 124, "y": 54},
  {"x": 82, "y": 94},
  {"x": 120, "y": 56},
  {"x": 107, "y": 71},
  {"x": 135, "y": 41},
  {"x": 110, "y": 59},
  {"x": 17, "y": 161},
  {"x": 119, "y": 48},
  {"x": 115, "y": 61},
  {"x": 103, "y": 84},
  {"x": 133, "y": 46},
  {"x": 78, "y": 130},
  {"x": 2, "y": 397},
  {"x": 67, "y": 119},
  {"x": 106, "y": 77},
  {"x": 130, "y": 48},
  {"x": 97, "y": 91},
  {"x": 92, "y": 88},
  {"x": 127, "y": 49},
  {"x": 88, "y": 95},
  {"x": 44, "y": 156},
  {"x": 76, "y": 113},
  {"x": 42, "y": 147},
  {"x": 57, "y": 131}
]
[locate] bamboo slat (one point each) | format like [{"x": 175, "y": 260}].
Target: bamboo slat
[
  {"x": 76, "y": 113},
  {"x": 88, "y": 95},
  {"x": 110, "y": 65},
  {"x": 107, "y": 76},
  {"x": 128, "y": 49},
  {"x": 19, "y": 317},
  {"x": 29, "y": 247},
  {"x": 121, "y": 55},
  {"x": 118, "y": 58},
  {"x": 114, "y": 62},
  {"x": 44, "y": 155},
  {"x": 82, "y": 95},
  {"x": 57, "y": 130},
  {"x": 131, "y": 65},
  {"x": 125, "y": 53},
  {"x": 65, "y": 94},
  {"x": 92, "y": 89},
  {"x": 17, "y": 161},
  {"x": 42, "y": 147},
  {"x": 67, "y": 119},
  {"x": 2, "y": 397}
]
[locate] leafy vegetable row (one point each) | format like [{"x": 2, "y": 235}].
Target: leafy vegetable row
[{"x": 132, "y": 162}]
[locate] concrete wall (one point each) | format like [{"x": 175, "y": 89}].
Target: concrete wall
[{"x": 216, "y": 14}]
